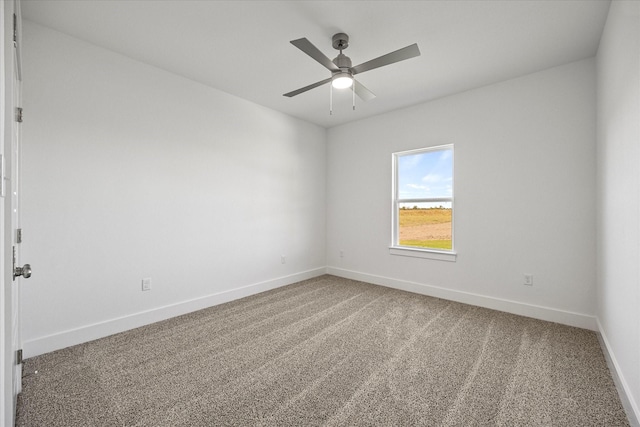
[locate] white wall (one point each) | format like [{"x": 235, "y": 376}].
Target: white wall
[
  {"x": 133, "y": 172},
  {"x": 619, "y": 193},
  {"x": 524, "y": 195}
]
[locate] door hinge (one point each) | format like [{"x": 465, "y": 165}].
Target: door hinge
[
  {"x": 19, "y": 114},
  {"x": 19, "y": 357},
  {"x": 19, "y": 235},
  {"x": 15, "y": 28}
]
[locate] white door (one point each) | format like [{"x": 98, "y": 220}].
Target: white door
[
  {"x": 10, "y": 319},
  {"x": 16, "y": 234}
]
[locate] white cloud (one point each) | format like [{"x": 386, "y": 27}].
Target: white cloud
[
  {"x": 432, "y": 178},
  {"x": 418, "y": 187},
  {"x": 409, "y": 162},
  {"x": 445, "y": 155}
]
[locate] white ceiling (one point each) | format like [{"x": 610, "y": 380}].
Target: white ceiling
[{"x": 242, "y": 47}]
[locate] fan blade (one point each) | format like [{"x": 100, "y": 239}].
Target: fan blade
[
  {"x": 364, "y": 93},
  {"x": 307, "y": 47},
  {"x": 306, "y": 88},
  {"x": 396, "y": 56}
]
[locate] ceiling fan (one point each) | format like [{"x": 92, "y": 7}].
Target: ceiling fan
[{"x": 342, "y": 73}]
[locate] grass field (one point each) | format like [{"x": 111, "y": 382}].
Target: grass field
[
  {"x": 428, "y": 244},
  {"x": 426, "y": 228}
]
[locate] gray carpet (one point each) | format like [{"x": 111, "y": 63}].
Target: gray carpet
[{"x": 328, "y": 351}]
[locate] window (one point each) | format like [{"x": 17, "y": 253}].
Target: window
[{"x": 423, "y": 203}]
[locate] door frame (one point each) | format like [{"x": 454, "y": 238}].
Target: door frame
[{"x": 10, "y": 380}]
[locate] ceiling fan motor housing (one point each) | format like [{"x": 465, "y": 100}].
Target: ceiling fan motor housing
[{"x": 342, "y": 61}]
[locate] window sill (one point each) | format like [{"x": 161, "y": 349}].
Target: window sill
[{"x": 423, "y": 253}]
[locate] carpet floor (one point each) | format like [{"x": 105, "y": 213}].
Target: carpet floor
[{"x": 333, "y": 352}]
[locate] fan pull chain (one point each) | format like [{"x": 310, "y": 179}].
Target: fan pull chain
[
  {"x": 330, "y": 99},
  {"x": 353, "y": 91}
]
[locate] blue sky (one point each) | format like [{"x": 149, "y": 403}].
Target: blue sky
[{"x": 428, "y": 174}]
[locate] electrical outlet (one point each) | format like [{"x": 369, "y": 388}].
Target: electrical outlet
[
  {"x": 528, "y": 279},
  {"x": 283, "y": 259},
  {"x": 146, "y": 284}
]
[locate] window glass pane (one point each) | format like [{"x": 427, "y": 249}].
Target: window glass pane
[
  {"x": 425, "y": 175},
  {"x": 425, "y": 225}
]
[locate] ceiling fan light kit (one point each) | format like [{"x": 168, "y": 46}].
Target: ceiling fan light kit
[
  {"x": 342, "y": 71},
  {"x": 342, "y": 80}
]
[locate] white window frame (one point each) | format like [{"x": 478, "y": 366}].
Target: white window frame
[{"x": 411, "y": 251}]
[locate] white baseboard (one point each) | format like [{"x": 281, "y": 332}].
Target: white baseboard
[
  {"x": 87, "y": 333},
  {"x": 631, "y": 408},
  {"x": 537, "y": 312},
  {"x": 94, "y": 331}
]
